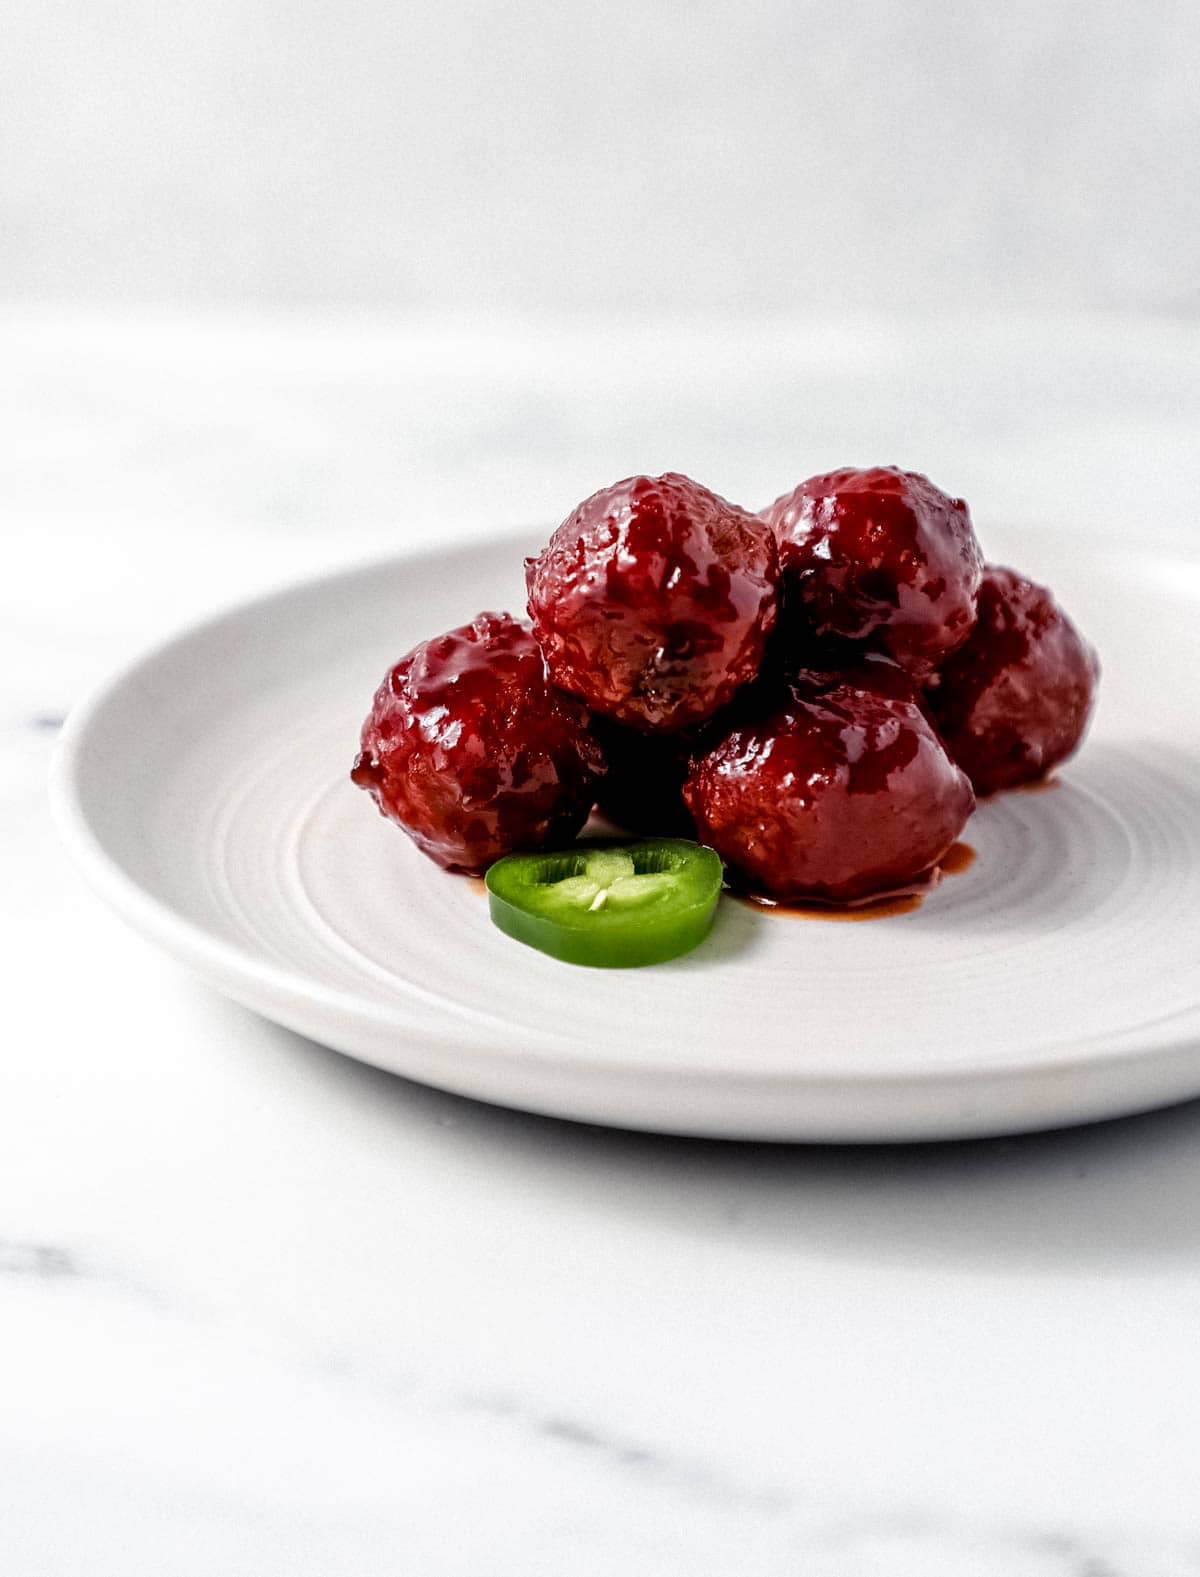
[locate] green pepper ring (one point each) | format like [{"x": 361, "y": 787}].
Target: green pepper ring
[{"x": 609, "y": 905}]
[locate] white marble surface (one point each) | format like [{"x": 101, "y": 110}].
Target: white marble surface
[{"x": 263, "y": 1310}]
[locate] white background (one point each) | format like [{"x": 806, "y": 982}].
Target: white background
[{"x": 561, "y": 156}]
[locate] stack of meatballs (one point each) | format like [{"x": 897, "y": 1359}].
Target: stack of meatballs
[{"x": 818, "y": 691}]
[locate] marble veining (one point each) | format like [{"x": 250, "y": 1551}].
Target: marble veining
[{"x": 44, "y": 1261}]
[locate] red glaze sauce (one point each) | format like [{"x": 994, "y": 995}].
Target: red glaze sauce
[
  {"x": 654, "y": 600},
  {"x": 472, "y": 752},
  {"x": 959, "y": 857},
  {"x": 817, "y": 693},
  {"x": 880, "y": 556},
  {"x": 840, "y": 791},
  {"x": 874, "y": 909},
  {"x": 1016, "y": 699}
]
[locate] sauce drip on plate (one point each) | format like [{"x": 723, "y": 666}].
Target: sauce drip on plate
[{"x": 959, "y": 857}]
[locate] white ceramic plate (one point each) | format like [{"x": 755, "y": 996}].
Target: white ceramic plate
[{"x": 205, "y": 791}]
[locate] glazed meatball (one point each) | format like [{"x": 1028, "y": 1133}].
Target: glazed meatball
[
  {"x": 883, "y": 557},
  {"x": 795, "y": 645},
  {"x": 642, "y": 788},
  {"x": 841, "y": 791},
  {"x": 653, "y": 601},
  {"x": 1016, "y": 699},
  {"x": 471, "y": 750}
]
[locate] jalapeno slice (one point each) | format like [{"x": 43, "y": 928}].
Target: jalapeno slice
[{"x": 609, "y": 905}]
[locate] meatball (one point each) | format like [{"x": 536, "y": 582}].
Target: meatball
[
  {"x": 642, "y": 788},
  {"x": 795, "y": 644},
  {"x": 653, "y": 601},
  {"x": 1017, "y": 698},
  {"x": 840, "y": 791},
  {"x": 471, "y": 750},
  {"x": 880, "y": 556}
]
